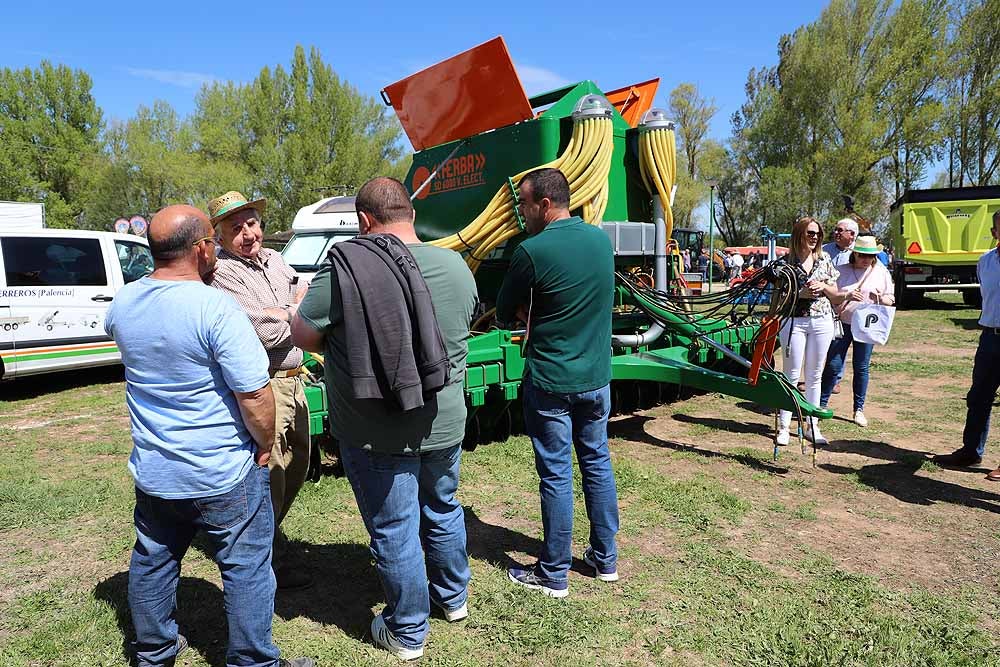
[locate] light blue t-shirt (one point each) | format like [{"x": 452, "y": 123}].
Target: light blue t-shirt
[
  {"x": 988, "y": 271},
  {"x": 186, "y": 348}
]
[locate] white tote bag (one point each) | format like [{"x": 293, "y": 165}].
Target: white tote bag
[{"x": 871, "y": 323}]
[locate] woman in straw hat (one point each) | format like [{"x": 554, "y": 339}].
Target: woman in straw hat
[{"x": 862, "y": 280}]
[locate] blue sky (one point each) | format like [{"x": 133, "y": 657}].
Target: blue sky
[{"x": 139, "y": 52}]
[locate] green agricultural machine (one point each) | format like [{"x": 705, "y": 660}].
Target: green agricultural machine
[{"x": 476, "y": 133}]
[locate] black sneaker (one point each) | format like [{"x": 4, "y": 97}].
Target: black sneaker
[
  {"x": 602, "y": 573},
  {"x": 960, "y": 458},
  {"x": 528, "y": 578}
]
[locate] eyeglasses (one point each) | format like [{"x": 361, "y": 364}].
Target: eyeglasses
[
  {"x": 812, "y": 233},
  {"x": 203, "y": 239},
  {"x": 843, "y": 231}
]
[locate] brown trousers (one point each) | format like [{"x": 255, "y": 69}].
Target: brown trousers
[{"x": 290, "y": 451}]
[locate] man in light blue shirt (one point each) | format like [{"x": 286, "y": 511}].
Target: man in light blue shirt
[
  {"x": 202, "y": 413},
  {"x": 985, "y": 379},
  {"x": 840, "y": 248}
]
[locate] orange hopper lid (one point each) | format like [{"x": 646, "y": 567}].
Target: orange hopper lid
[
  {"x": 465, "y": 95},
  {"x": 635, "y": 100}
]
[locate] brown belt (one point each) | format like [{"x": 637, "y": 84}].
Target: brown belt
[{"x": 290, "y": 373}]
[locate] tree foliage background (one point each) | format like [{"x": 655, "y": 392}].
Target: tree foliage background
[
  {"x": 865, "y": 102},
  {"x": 291, "y": 135}
]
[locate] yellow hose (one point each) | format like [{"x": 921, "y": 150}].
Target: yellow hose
[
  {"x": 658, "y": 167},
  {"x": 586, "y": 163}
]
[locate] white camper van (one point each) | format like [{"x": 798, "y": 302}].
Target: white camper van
[
  {"x": 55, "y": 288},
  {"x": 317, "y": 227}
]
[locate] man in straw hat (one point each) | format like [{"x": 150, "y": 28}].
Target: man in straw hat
[{"x": 269, "y": 291}]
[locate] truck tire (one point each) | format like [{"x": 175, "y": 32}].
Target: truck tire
[
  {"x": 905, "y": 298},
  {"x": 972, "y": 298}
]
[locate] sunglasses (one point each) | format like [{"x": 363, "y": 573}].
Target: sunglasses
[
  {"x": 812, "y": 233},
  {"x": 843, "y": 231}
]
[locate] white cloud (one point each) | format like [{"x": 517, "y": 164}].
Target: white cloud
[
  {"x": 539, "y": 80},
  {"x": 172, "y": 77}
]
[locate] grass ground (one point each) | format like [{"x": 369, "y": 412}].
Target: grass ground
[{"x": 873, "y": 557}]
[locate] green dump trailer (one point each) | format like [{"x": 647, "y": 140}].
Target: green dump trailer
[{"x": 937, "y": 237}]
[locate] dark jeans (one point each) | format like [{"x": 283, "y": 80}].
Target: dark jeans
[
  {"x": 417, "y": 530},
  {"x": 834, "y": 370},
  {"x": 556, "y": 424},
  {"x": 240, "y": 526},
  {"x": 982, "y": 393}
]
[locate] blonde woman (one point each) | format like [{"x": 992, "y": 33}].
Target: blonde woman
[
  {"x": 806, "y": 336},
  {"x": 862, "y": 280}
]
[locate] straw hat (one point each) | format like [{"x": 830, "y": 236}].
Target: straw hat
[
  {"x": 229, "y": 203},
  {"x": 867, "y": 245}
]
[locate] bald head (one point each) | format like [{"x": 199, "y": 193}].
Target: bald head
[{"x": 174, "y": 231}]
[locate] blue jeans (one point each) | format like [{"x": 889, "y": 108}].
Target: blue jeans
[
  {"x": 240, "y": 526},
  {"x": 982, "y": 393},
  {"x": 417, "y": 531},
  {"x": 556, "y": 423},
  {"x": 834, "y": 370}
]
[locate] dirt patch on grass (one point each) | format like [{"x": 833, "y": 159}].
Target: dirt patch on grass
[{"x": 870, "y": 505}]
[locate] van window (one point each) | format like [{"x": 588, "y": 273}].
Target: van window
[
  {"x": 32, "y": 261},
  {"x": 305, "y": 252},
  {"x": 136, "y": 260}
]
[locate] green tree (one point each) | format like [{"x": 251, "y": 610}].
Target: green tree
[
  {"x": 692, "y": 114},
  {"x": 301, "y": 133},
  {"x": 149, "y": 162},
  {"x": 973, "y": 94},
  {"x": 851, "y": 109},
  {"x": 50, "y": 128}
]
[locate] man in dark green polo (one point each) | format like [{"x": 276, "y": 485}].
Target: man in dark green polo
[{"x": 561, "y": 282}]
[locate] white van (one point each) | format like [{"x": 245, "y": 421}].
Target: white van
[
  {"x": 317, "y": 227},
  {"x": 55, "y": 288}
]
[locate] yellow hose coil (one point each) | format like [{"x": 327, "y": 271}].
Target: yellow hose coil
[
  {"x": 658, "y": 168},
  {"x": 586, "y": 163}
]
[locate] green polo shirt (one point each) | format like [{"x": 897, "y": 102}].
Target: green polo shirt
[
  {"x": 376, "y": 424},
  {"x": 567, "y": 274}
]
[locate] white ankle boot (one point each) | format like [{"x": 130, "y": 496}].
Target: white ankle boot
[{"x": 813, "y": 434}]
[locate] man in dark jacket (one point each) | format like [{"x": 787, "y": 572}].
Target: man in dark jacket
[
  {"x": 562, "y": 277},
  {"x": 402, "y": 465}
]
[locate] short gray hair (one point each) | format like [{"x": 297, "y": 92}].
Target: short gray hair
[{"x": 850, "y": 223}]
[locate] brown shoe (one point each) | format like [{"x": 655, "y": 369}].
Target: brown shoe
[
  {"x": 801, "y": 387},
  {"x": 836, "y": 388},
  {"x": 994, "y": 476}
]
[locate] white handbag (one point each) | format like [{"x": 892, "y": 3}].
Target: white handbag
[{"x": 872, "y": 322}]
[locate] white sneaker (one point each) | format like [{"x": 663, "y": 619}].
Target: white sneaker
[
  {"x": 814, "y": 435},
  {"x": 385, "y": 639},
  {"x": 860, "y": 419},
  {"x": 782, "y": 438},
  {"x": 452, "y": 615}
]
